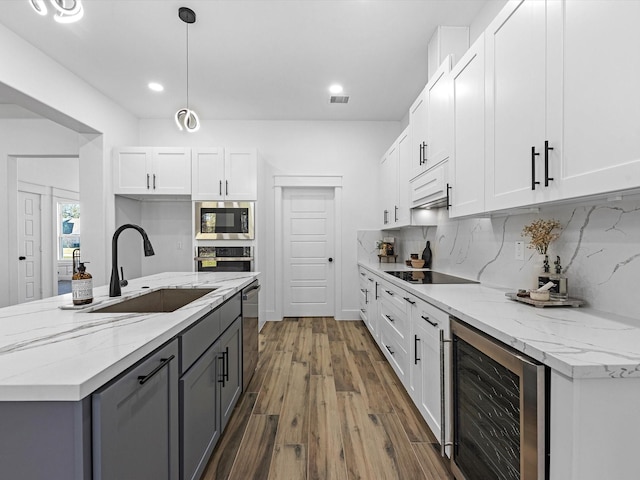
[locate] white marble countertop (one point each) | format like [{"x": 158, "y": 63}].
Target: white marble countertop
[
  {"x": 50, "y": 354},
  {"x": 577, "y": 342}
]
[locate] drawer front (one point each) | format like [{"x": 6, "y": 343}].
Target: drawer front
[
  {"x": 394, "y": 351},
  {"x": 429, "y": 187},
  {"x": 195, "y": 341},
  {"x": 393, "y": 296},
  {"x": 433, "y": 320},
  {"x": 396, "y": 320},
  {"x": 229, "y": 311}
]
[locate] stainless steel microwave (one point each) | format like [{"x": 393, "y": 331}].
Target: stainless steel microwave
[{"x": 224, "y": 220}]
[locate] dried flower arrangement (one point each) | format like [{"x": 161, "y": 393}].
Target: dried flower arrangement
[{"x": 541, "y": 233}]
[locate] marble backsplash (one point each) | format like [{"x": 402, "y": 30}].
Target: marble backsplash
[{"x": 599, "y": 246}]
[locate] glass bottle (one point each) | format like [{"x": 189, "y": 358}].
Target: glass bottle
[
  {"x": 559, "y": 291},
  {"x": 82, "y": 286},
  {"x": 543, "y": 278}
]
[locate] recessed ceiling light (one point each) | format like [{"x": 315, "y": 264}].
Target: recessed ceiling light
[
  {"x": 335, "y": 89},
  {"x": 155, "y": 86}
]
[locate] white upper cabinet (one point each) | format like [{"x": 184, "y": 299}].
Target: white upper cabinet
[
  {"x": 466, "y": 167},
  {"x": 562, "y": 101},
  {"x": 516, "y": 105},
  {"x": 225, "y": 174},
  {"x": 430, "y": 120},
  {"x": 439, "y": 128},
  {"x": 418, "y": 123},
  {"x": 596, "y": 132},
  {"x": 394, "y": 183},
  {"x": 152, "y": 171}
]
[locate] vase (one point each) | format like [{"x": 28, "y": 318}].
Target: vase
[{"x": 541, "y": 270}]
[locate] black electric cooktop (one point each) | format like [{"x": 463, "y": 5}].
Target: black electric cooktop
[{"x": 428, "y": 277}]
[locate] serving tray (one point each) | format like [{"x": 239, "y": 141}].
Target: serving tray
[{"x": 569, "y": 302}]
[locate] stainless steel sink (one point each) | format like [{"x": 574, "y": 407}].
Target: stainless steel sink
[{"x": 163, "y": 300}]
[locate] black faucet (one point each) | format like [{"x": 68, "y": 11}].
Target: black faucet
[{"x": 114, "y": 286}]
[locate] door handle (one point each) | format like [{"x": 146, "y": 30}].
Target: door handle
[
  {"x": 330, "y": 259},
  {"x": 22, "y": 258}
]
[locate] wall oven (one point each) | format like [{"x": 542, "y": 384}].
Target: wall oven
[
  {"x": 224, "y": 259},
  {"x": 224, "y": 220},
  {"x": 500, "y": 409}
]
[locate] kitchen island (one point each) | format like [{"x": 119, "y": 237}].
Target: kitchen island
[
  {"x": 594, "y": 362},
  {"x": 53, "y": 359}
]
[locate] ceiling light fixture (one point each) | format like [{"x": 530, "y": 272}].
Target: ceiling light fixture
[
  {"x": 155, "y": 86},
  {"x": 187, "y": 119},
  {"x": 335, "y": 89},
  {"x": 67, "y": 11}
]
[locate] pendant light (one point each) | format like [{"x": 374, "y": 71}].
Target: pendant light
[
  {"x": 66, "y": 11},
  {"x": 187, "y": 119}
]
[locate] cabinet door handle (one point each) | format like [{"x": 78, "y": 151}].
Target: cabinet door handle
[
  {"x": 142, "y": 379},
  {"x": 389, "y": 318},
  {"x": 220, "y": 188},
  {"x": 409, "y": 300},
  {"x": 362, "y": 274},
  {"x": 226, "y": 187},
  {"x": 376, "y": 291},
  {"x": 389, "y": 348},
  {"x": 226, "y": 364},
  {"x": 448, "y": 196},
  {"x": 426, "y": 319},
  {"x": 420, "y": 150},
  {"x": 415, "y": 350},
  {"x": 396, "y": 213},
  {"x": 390, "y": 293},
  {"x": 534, "y": 154},
  {"x": 366, "y": 296},
  {"x": 154, "y": 181},
  {"x": 147, "y": 181},
  {"x": 547, "y": 178},
  {"x": 221, "y": 379}
]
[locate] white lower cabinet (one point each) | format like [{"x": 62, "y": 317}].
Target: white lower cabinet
[
  {"x": 428, "y": 379},
  {"x": 411, "y": 333}
]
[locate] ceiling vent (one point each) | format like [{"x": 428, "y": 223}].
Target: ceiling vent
[{"x": 339, "y": 99}]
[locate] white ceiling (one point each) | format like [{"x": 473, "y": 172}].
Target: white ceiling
[{"x": 249, "y": 59}]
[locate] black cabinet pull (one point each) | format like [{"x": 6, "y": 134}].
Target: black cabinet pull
[
  {"x": 366, "y": 296},
  {"x": 448, "y": 196},
  {"x": 220, "y": 187},
  {"x": 396, "y": 213},
  {"x": 22, "y": 257},
  {"x": 384, "y": 217},
  {"x": 362, "y": 274},
  {"x": 154, "y": 181},
  {"x": 423, "y": 153},
  {"x": 221, "y": 379},
  {"x": 420, "y": 150},
  {"x": 415, "y": 350},
  {"x": 226, "y": 187},
  {"x": 376, "y": 291},
  {"x": 390, "y": 293},
  {"x": 534, "y": 154},
  {"x": 409, "y": 300},
  {"x": 389, "y": 348},
  {"x": 142, "y": 379},
  {"x": 426, "y": 319},
  {"x": 147, "y": 181},
  {"x": 389, "y": 318},
  {"x": 547, "y": 178},
  {"x": 226, "y": 364}
]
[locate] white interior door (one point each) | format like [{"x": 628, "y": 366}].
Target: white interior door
[
  {"x": 29, "y": 247},
  {"x": 308, "y": 246}
]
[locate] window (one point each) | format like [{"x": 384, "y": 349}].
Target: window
[{"x": 68, "y": 229}]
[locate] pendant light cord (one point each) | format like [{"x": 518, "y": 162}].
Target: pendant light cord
[{"x": 187, "y": 66}]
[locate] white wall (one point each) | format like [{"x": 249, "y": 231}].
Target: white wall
[
  {"x": 484, "y": 18},
  {"x": 24, "y": 68},
  {"x": 63, "y": 173},
  {"x": 348, "y": 149}
]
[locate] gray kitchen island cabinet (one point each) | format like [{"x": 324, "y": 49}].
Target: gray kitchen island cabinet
[{"x": 135, "y": 421}]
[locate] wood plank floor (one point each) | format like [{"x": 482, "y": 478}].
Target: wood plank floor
[{"x": 324, "y": 404}]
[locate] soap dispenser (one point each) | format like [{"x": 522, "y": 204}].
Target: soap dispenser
[{"x": 81, "y": 283}]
